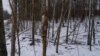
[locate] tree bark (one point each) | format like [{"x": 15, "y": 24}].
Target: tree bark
[
  {"x": 44, "y": 26},
  {"x": 13, "y": 5},
  {"x": 3, "y": 51}
]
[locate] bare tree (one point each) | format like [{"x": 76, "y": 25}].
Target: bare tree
[
  {"x": 33, "y": 22},
  {"x": 54, "y": 5},
  {"x": 89, "y": 40},
  {"x": 69, "y": 13},
  {"x": 44, "y": 26},
  {"x": 13, "y": 4},
  {"x": 3, "y": 51},
  {"x": 59, "y": 28}
]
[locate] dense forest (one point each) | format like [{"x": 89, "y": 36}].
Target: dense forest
[{"x": 50, "y": 28}]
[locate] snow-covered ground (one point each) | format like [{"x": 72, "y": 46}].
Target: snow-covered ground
[{"x": 64, "y": 49}]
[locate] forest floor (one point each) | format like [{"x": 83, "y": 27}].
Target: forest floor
[{"x": 80, "y": 49}]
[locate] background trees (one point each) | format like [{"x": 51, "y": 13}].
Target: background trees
[{"x": 43, "y": 16}]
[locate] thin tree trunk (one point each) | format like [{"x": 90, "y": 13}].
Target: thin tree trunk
[
  {"x": 90, "y": 31},
  {"x": 19, "y": 52},
  {"x": 69, "y": 12},
  {"x": 93, "y": 29},
  {"x": 33, "y": 23},
  {"x": 59, "y": 28},
  {"x": 53, "y": 21},
  {"x": 14, "y": 26}
]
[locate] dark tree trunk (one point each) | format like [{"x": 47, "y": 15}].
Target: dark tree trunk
[
  {"x": 69, "y": 13},
  {"x": 59, "y": 28},
  {"x": 3, "y": 51},
  {"x": 33, "y": 23},
  {"x": 14, "y": 25},
  {"x": 89, "y": 40}
]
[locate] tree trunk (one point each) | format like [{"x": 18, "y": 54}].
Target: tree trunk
[
  {"x": 3, "y": 51},
  {"x": 14, "y": 25},
  {"x": 44, "y": 26},
  {"x": 53, "y": 21},
  {"x": 90, "y": 26},
  {"x": 69, "y": 12},
  {"x": 59, "y": 28},
  {"x": 33, "y": 23}
]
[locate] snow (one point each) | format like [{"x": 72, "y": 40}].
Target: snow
[
  {"x": 6, "y": 5},
  {"x": 64, "y": 49}
]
